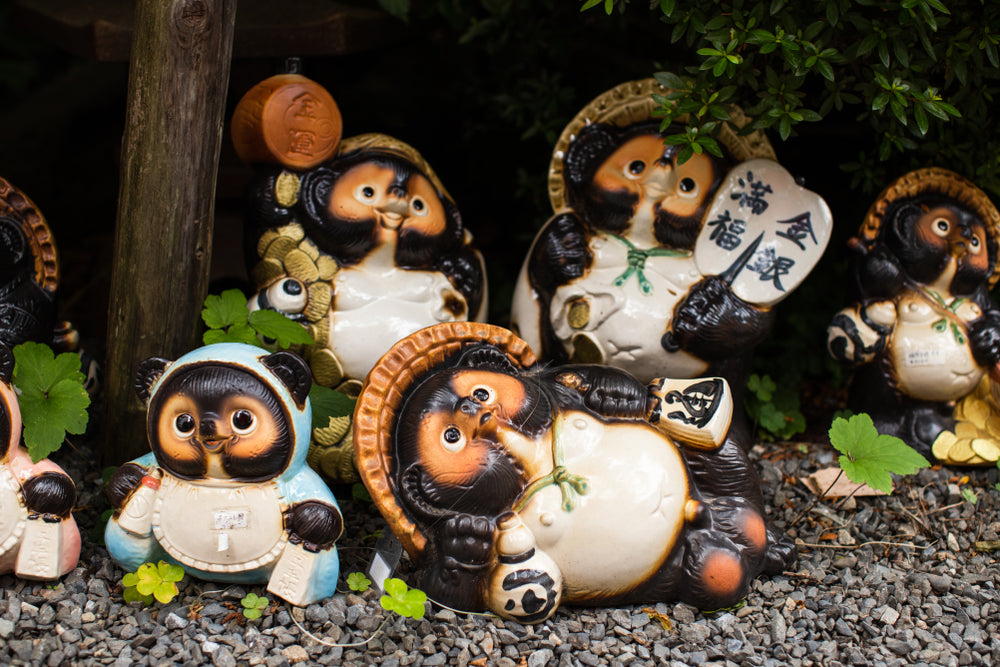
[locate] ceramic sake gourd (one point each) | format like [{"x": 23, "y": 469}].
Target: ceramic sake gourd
[
  {"x": 657, "y": 267},
  {"x": 357, "y": 239},
  {"x": 517, "y": 486},
  {"x": 924, "y": 333},
  {"x": 39, "y": 538},
  {"x": 226, "y": 491}
]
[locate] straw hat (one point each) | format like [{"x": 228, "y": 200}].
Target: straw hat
[
  {"x": 630, "y": 103},
  {"x": 401, "y": 369}
]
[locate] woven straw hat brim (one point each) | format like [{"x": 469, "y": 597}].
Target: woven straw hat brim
[
  {"x": 933, "y": 180},
  {"x": 630, "y": 103},
  {"x": 406, "y": 364},
  {"x": 17, "y": 205},
  {"x": 387, "y": 144}
]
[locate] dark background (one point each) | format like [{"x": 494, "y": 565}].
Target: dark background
[{"x": 482, "y": 96}]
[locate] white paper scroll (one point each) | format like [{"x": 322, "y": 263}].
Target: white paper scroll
[{"x": 763, "y": 233}]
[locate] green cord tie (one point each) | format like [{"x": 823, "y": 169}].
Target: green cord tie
[
  {"x": 569, "y": 486},
  {"x": 941, "y": 325},
  {"x": 637, "y": 262}
]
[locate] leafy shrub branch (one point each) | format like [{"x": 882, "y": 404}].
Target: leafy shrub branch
[{"x": 907, "y": 69}]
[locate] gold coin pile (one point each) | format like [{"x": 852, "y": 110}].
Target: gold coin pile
[{"x": 976, "y": 438}]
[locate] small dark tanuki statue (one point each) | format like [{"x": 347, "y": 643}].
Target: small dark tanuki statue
[
  {"x": 39, "y": 538},
  {"x": 516, "y": 486},
  {"x": 225, "y": 491},
  {"x": 29, "y": 273},
  {"x": 924, "y": 334}
]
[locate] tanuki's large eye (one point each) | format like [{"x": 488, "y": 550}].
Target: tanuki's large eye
[
  {"x": 418, "y": 206},
  {"x": 635, "y": 169},
  {"x": 184, "y": 425},
  {"x": 688, "y": 187},
  {"x": 243, "y": 421},
  {"x": 287, "y": 296},
  {"x": 452, "y": 439},
  {"x": 365, "y": 193},
  {"x": 975, "y": 245},
  {"x": 483, "y": 394},
  {"x": 941, "y": 226}
]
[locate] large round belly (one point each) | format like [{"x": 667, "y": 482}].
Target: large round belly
[
  {"x": 933, "y": 365},
  {"x": 625, "y": 318},
  {"x": 621, "y": 530},
  {"x": 371, "y": 312},
  {"x": 219, "y": 528}
]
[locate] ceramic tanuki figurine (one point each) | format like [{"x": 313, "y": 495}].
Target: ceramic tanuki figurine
[
  {"x": 363, "y": 245},
  {"x": 925, "y": 334},
  {"x": 29, "y": 271},
  {"x": 516, "y": 486},
  {"x": 226, "y": 492},
  {"x": 39, "y": 538},
  {"x": 657, "y": 267}
]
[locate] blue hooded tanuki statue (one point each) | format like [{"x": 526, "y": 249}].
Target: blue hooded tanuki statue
[{"x": 226, "y": 491}]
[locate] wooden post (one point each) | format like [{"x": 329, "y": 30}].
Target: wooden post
[{"x": 181, "y": 51}]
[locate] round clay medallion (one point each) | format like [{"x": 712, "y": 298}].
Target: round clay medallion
[{"x": 288, "y": 120}]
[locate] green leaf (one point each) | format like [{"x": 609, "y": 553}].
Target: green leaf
[
  {"x": 869, "y": 457},
  {"x": 360, "y": 492},
  {"x": 252, "y": 613},
  {"x": 53, "y": 401},
  {"x": 237, "y": 333},
  {"x": 225, "y": 309},
  {"x": 969, "y": 495},
  {"x": 286, "y": 332},
  {"x": 165, "y": 591},
  {"x": 169, "y": 571},
  {"x": 402, "y": 600},
  {"x": 357, "y": 581},
  {"x": 670, "y": 80},
  {"x": 329, "y": 404},
  {"x": 130, "y": 594},
  {"x": 130, "y": 579}
]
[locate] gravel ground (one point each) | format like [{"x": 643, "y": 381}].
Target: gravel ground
[{"x": 891, "y": 581}]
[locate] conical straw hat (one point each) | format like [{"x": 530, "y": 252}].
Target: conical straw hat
[
  {"x": 403, "y": 367},
  {"x": 630, "y": 103},
  {"x": 933, "y": 180}
]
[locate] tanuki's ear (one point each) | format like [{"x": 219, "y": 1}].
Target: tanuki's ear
[
  {"x": 293, "y": 371},
  {"x": 148, "y": 372}
]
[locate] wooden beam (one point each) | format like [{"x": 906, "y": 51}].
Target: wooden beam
[{"x": 179, "y": 72}]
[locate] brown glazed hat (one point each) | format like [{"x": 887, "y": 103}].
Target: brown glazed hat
[
  {"x": 631, "y": 103},
  {"x": 387, "y": 144},
  {"x": 404, "y": 366},
  {"x": 15, "y": 204},
  {"x": 933, "y": 180}
]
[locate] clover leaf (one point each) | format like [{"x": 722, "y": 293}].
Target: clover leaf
[
  {"x": 151, "y": 581},
  {"x": 254, "y": 605},
  {"x": 53, "y": 400},
  {"x": 405, "y": 601},
  {"x": 869, "y": 457},
  {"x": 358, "y": 582}
]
